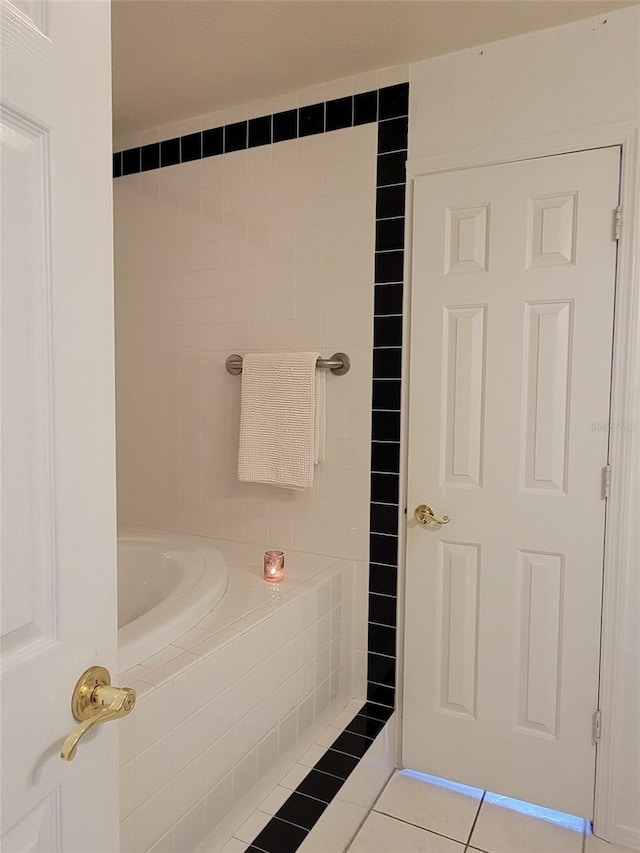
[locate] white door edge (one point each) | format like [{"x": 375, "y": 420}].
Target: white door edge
[{"x": 623, "y": 516}]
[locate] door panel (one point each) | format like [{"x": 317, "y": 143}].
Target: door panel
[
  {"x": 511, "y": 336},
  {"x": 58, "y": 496}
]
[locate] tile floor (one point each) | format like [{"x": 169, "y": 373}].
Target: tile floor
[
  {"x": 418, "y": 814},
  {"x": 339, "y": 822}
]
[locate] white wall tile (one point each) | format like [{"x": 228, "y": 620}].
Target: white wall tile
[
  {"x": 154, "y": 818},
  {"x": 291, "y": 225},
  {"x": 190, "y": 830}
]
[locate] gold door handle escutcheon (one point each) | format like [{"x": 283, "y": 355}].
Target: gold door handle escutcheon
[
  {"x": 95, "y": 701},
  {"x": 424, "y": 515}
]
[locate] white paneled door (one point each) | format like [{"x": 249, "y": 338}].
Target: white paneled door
[
  {"x": 58, "y": 496},
  {"x": 511, "y": 336}
]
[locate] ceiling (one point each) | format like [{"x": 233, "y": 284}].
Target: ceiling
[{"x": 173, "y": 59}]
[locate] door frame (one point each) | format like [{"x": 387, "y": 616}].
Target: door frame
[{"x": 622, "y": 514}]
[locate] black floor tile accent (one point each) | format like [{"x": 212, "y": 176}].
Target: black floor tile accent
[
  {"x": 117, "y": 164},
  {"x": 337, "y": 764},
  {"x": 351, "y": 744},
  {"x": 301, "y": 810},
  {"x": 279, "y": 836},
  {"x": 365, "y": 726},
  {"x": 375, "y": 711},
  {"x": 320, "y": 785}
]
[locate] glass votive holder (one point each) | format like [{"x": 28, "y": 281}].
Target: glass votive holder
[{"x": 274, "y": 566}]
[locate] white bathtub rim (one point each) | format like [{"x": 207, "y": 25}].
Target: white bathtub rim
[{"x": 139, "y": 639}]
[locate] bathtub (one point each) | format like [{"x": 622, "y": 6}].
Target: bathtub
[{"x": 166, "y": 584}]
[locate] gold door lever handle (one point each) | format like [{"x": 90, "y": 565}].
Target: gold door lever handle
[
  {"x": 95, "y": 701},
  {"x": 424, "y": 515}
]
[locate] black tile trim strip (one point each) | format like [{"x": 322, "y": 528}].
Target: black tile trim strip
[
  {"x": 389, "y": 107},
  {"x": 351, "y": 111},
  {"x": 304, "y": 807}
]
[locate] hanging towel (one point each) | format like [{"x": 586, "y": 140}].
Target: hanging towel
[{"x": 282, "y": 418}]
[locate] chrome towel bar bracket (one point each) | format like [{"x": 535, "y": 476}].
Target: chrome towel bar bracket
[{"x": 339, "y": 363}]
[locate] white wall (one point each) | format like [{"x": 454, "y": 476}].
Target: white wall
[
  {"x": 573, "y": 77},
  {"x": 576, "y": 76}
]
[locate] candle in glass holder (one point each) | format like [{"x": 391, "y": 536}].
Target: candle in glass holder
[{"x": 274, "y": 566}]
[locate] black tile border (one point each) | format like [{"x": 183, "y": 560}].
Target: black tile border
[
  {"x": 300, "y": 812},
  {"x": 389, "y": 107}
]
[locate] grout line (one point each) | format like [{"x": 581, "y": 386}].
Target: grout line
[
  {"x": 475, "y": 820},
  {"x": 380, "y": 120},
  {"x": 416, "y": 825}
]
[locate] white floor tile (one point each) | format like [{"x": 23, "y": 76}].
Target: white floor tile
[
  {"x": 382, "y": 834},
  {"x": 293, "y": 778},
  {"x": 234, "y": 846},
  {"x": 335, "y": 829},
  {"x": 430, "y": 806},
  {"x": 345, "y": 717},
  {"x": 501, "y": 830},
  {"x": 252, "y": 826},
  {"x": 275, "y": 800},
  {"x": 313, "y": 755},
  {"x": 328, "y": 736}
]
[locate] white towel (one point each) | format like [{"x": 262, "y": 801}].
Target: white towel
[{"x": 282, "y": 418}]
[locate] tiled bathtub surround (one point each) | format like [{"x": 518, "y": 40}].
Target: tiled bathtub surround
[
  {"x": 223, "y": 712},
  {"x": 269, "y": 247}
]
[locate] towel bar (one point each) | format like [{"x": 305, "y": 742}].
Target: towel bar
[{"x": 339, "y": 363}]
